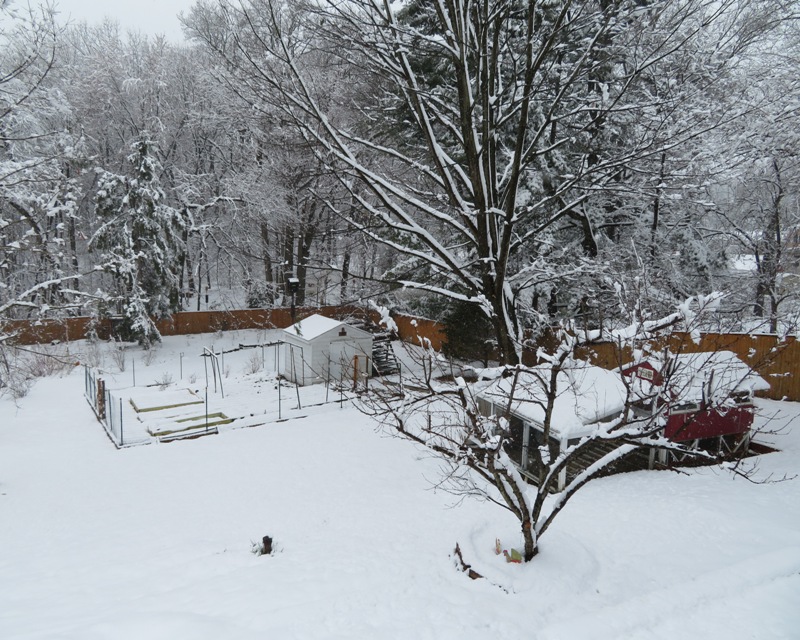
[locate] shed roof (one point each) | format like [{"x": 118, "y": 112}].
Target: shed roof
[
  {"x": 586, "y": 394},
  {"x": 316, "y": 325}
]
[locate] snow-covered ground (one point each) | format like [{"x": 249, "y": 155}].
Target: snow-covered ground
[{"x": 156, "y": 541}]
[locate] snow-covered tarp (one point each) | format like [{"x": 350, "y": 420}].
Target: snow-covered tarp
[{"x": 585, "y": 394}]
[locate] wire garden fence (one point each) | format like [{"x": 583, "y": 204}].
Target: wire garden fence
[{"x": 107, "y": 407}]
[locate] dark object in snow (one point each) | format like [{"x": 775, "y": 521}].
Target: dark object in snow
[
  {"x": 266, "y": 548},
  {"x": 463, "y": 566}
]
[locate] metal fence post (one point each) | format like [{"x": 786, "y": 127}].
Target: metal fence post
[
  {"x": 109, "y": 412},
  {"x": 221, "y": 388}
]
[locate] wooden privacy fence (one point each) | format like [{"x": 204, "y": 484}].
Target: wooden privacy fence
[
  {"x": 181, "y": 323},
  {"x": 778, "y": 360},
  {"x": 24, "y": 332}
]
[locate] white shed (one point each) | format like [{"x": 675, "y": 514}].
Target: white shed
[{"x": 318, "y": 349}]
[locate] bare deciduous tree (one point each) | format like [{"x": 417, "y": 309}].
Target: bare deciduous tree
[
  {"x": 580, "y": 421},
  {"x": 481, "y": 130}
]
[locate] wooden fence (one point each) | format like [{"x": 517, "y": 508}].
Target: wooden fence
[
  {"x": 27, "y": 332},
  {"x": 181, "y": 323},
  {"x": 778, "y": 360}
]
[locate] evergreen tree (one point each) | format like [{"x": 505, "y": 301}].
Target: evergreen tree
[{"x": 140, "y": 237}]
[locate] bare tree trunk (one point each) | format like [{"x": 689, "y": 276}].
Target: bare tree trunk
[
  {"x": 288, "y": 253},
  {"x": 304, "y": 250},
  {"x": 269, "y": 275},
  {"x": 305, "y": 238},
  {"x": 345, "y": 276},
  {"x": 530, "y": 548},
  {"x": 657, "y": 208},
  {"x": 769, "y": 284}
]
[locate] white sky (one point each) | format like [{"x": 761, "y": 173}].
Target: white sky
[{"x": 149, "y": 16}]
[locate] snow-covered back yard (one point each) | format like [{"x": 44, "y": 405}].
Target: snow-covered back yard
[{"x": 156, "y": 541}]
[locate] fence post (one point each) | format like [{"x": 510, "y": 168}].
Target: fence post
[
  {"x": 214, "y": 367},
  {"x": 121, "y": 436},
  {"x": 109, "y": 411},
  {"x": 100, "y": 399},
  {"x": 221, "y": 388},
  {"x": 328, "y": 382}
]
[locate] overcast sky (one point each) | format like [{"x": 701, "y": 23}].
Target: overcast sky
[{"x": 148, "y": 16}]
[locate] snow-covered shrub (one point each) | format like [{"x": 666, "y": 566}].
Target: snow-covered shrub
[
  {"x": 254, "y": 364},
  {"x": 165, "y": 381}
]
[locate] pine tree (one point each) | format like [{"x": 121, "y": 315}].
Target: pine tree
[{"x": 140, "y": 237}]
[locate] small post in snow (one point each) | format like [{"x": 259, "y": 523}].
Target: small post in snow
[{"x": 328, "y": 383}]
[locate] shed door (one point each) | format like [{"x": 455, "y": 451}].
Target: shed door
[
  {"x": 342, "y": 361},
  {"x": 294, "y": 366}
]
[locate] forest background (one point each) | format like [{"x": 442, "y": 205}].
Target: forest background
[{"x": 499, "y": 166}]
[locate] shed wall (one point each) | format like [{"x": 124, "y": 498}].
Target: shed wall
[
  {"x": 312, "y": 359},
  {"x": 294, "y": 363}
]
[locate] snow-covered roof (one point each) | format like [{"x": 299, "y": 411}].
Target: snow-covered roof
[
  {"x": 313, "y": 326},
  {"x": 707, "y": 374},
  {"x": 586, "y": 394},
  {"x": 316, "y": 325}
]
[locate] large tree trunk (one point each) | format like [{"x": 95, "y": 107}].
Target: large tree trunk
[{"x": 504, "y": 322}]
